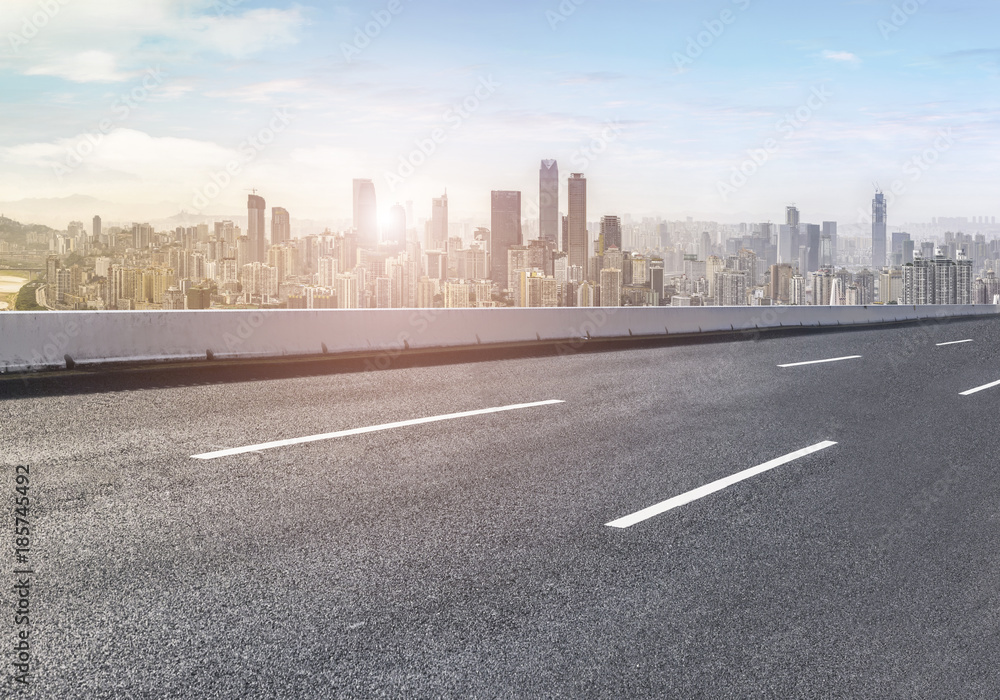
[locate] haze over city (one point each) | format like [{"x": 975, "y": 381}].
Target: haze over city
[{"x": 659, "y": 104}]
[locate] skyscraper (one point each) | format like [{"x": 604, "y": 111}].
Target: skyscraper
[
  {"x": 611, "y": 232},
  {"x": 788, "y": 238},
  {"x": 792, "y": 216},
  {"x": 576, "y": 245},
  {"x": 437, "y": 237},
  {"x": 281, "y": 226},
  {"x": 548, "y": 202},
  {"x": 830, "y": 233},
  {"x": 365, "y": 213},
  {"x": 705, "y": 247},
  {"x": 256, "y": 210},
  {"x": 397, "y": 224},
  {"x": 505, "y": 231},
  {"x": 788, "y": 245},
  {"x": 878, "y": 230},
  {"x": 97, "y": 230},
  {"x": 812, "y": 242}
]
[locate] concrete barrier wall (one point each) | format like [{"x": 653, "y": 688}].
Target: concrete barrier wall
[{"x": 36, "y": 341}]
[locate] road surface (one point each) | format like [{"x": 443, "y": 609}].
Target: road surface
[{"x": 551, "y": 543}]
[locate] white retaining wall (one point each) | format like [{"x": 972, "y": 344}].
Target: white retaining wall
[{"x": 34, "y": 341}]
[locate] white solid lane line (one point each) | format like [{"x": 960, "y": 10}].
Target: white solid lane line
[
  {"x": 708, "y": 489},
  {"x": 369, "y": 429},
  {"x": 970, "y": 392},
  {"x": 954, "y": 342},
  {"x": 820, "y": 362}
]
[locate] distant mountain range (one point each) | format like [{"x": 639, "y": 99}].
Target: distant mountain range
[{"x": 57, "y": 213}]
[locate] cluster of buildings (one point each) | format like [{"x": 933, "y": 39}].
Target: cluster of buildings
[{"x": 531, "y": 255}]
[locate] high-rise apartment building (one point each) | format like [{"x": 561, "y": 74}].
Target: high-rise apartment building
[
  {"x": 938, "y": 280},
  {"x": 347, "y": 291},
  {"x": 576, "y": 244},
  {"x": 731, "y": 288},
  {"x": 548, "y": 202},
  {"x": 797, "y": 290},
  {"x": 890, "y": 286},
  {"x": 142, "y": 236},
  {"x": 611, "y": 287},
  {"x": 517, "y": 261},
  {"x": 987, "y": 289},
  {"x": 822, "y": 287},
  {"x": 781, "y": 278},
  {"x": 865, "y": 283}
]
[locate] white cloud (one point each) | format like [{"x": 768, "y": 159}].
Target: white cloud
[
  {"x": 85, "y": 67},
  {"x": 101, "y": 42},
  {"x": 842, "y": 57},
  {"x": 123, "y": 151},
  {"x": 131, "y": 165},
  {"x": 244, "y": 35}
]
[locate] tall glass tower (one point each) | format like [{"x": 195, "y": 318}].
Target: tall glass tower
[
  {"x": 878, "y": 230},
  {"x": 365, "y": 213},
  {"x": 548, "y": 202}
]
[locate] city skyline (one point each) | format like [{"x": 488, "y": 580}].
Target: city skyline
[{"x": 676, "y": 111}]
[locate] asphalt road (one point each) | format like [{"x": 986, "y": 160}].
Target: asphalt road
[{"x": 471, "y": 557}]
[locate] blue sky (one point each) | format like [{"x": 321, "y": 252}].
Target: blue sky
[{"x": 899, "y": 93}]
